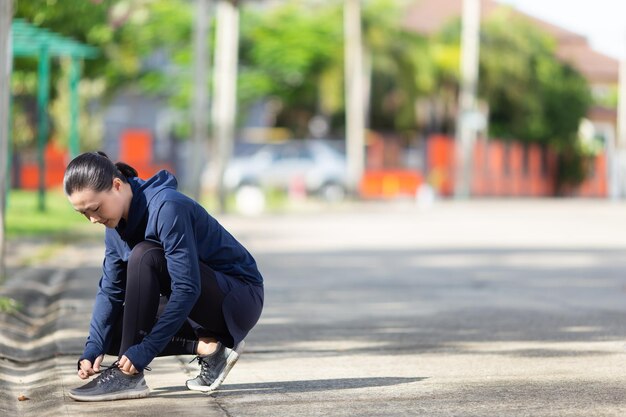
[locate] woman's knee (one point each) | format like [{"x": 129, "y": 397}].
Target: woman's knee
[
  {"x": 147, "y": 263},
  {"x": 146, "y": 254}
]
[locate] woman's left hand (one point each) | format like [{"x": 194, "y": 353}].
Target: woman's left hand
[{"x": 127, "y": 366}]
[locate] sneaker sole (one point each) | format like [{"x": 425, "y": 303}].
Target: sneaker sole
[
  {"x": 230, "y": 362},
  {"x": 126, "y": 395}
]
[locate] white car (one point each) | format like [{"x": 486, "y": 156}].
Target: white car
[{"x": 314, "y": 165}]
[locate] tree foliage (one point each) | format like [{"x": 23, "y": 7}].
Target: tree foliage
[
  {"x": 143, "y": 44},
  {"x": 291, "y": 53},
  {"x": 401, "y": 66},
  {"x": 532, "y": 95},
  {"x": 127, "y": 32}
]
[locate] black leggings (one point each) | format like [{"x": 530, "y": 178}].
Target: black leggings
[{"x": 148, "y": 287}]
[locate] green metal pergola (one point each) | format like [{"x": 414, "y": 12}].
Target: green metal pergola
[{"x": 32, "y": 41}]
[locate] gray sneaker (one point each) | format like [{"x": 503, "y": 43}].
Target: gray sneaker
[
  {"x": 112, "y": 384},
  {"x": 215, "y": 367}
]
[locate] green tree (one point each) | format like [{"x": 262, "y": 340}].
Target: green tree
[
  {"x": 533, "y": 97},
  {"x": 126, "y": 31},
  {"x": 401, "y": 66},
  {"x": 131, "y": 35},
  {"x": 292, "y": 54},
  {"x": 83, "y": 21}
]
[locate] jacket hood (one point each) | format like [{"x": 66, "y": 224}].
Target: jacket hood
[{"x": 143, "y": 192}]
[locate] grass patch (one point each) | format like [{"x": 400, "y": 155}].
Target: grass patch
[
  {"x": 59, "y": 220},
  {"x": 44, "y": 253},
  {"x": 62, "y": 224},
  {"x": 9, "y": 305}
]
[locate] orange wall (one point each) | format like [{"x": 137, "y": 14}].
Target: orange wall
[
  {"x": 389, "y": 183},
  {"x": 507, "y": 169},
  {"x": 136, "y": 149},
  {"x": 55, "y": 160}
]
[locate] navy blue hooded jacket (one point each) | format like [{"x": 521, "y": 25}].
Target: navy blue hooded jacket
[{"x": 188, "y": 234}]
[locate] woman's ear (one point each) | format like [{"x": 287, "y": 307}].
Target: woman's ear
[{"x": 117, "y": 184}]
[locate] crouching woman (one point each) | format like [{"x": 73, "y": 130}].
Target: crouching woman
[{"x": 174, "y": 281}]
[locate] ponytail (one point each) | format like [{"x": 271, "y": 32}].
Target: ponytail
[
  {"x": 95, "y": 171},
  {"x": 126, "y": 170}
]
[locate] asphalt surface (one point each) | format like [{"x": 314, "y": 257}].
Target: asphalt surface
[{"x": 489, "y": 308}]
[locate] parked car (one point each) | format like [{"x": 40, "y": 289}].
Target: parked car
[{"x": 317, "y": 166}]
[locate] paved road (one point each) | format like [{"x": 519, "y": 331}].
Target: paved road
[{"x": 489, "y": 308}]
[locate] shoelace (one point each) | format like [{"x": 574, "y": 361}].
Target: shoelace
[
  {"x": 200, "y": 360},
  {"x": 106, "y": 375},
  {"x": 204, "y": 366},
  {"x": 116, "y": 365}
]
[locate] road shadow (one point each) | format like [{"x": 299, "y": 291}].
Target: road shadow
[
  {"x": 349, "y": 302},
  {"x": 286, "y": 387},
  {"x": 542, "y": 302}
]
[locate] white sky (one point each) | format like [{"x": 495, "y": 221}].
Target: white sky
[{"x": 603, "y": 22}]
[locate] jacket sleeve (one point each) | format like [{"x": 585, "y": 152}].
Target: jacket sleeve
[
  {"x": 174, "y": 227},
  {"x": 109, "y": 301}
]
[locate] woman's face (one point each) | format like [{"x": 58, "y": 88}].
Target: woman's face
[{"x": 104, "y": 207}]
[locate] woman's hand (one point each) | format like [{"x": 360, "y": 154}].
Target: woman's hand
[
  {"x": 127, "y": 366},
  {"x": 86, "y": 369}
]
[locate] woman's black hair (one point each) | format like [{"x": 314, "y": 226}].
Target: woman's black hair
[{"x": 94, "y": 171}]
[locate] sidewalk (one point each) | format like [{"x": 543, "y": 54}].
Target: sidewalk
[
  {"x": 493, "y": 308},
  {"x": 41, "y": 343}
]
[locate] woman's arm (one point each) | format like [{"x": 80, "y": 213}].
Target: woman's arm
[
  {"x": 109, "y": 300},
  {"x": 175, "y": 232}
]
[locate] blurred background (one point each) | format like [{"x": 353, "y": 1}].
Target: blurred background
[{"x": 259, "y": 105}]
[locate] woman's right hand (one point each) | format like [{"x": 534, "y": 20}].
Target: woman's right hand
[{"x": 86, "y": 369}]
